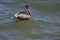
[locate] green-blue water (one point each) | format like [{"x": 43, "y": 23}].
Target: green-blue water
[{"x": 44, "y": 24}]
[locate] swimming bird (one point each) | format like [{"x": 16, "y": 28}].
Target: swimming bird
[{"x": 23, "y": 15}]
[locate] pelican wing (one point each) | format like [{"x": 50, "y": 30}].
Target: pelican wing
[{"x": 24, "y": 16}]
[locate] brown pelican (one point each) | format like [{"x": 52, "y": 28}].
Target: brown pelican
[{"x": 23, "y": 15}]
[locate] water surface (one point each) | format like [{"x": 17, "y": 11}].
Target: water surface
[{"x": 44, "y": 24}]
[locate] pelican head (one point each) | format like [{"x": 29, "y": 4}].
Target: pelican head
[
  {"x": 27, "y": 10},
  {"x": 27, "y": 6}
]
